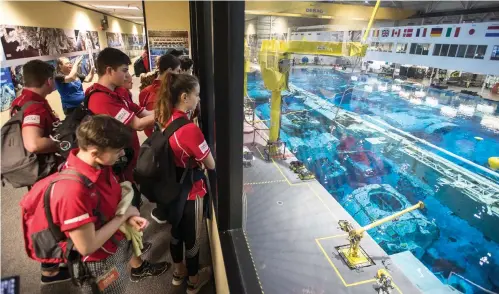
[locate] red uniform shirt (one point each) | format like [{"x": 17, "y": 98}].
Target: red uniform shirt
[
  {"x": 187, "y": 142},
  {"x": 145, "y": 60},
  {"x": 119, "y": 105},
  {"x": 73, "y": 204},
  {"x": 147, "y": 99},
  {"x": 37, "y": 114}
]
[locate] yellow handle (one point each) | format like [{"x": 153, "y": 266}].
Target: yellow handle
[
  {"x": 420, "y": 204},
  {"x": 373, "y": 15}
]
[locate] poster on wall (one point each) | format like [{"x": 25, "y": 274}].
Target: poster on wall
[
  {"x": 87, "y": 40},
  {"x": 19, "y": 42},
  {"x": 8, "y": 92},
  {"x": 162, "y": 41},
  {"x": 495, "y": 53},
  {"x": 114, "y": 40}
]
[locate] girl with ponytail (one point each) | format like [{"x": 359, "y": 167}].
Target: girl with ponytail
[{"x": 178, "y": 97}]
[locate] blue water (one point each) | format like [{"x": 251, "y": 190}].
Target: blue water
[{"x": 448, "y": 235}]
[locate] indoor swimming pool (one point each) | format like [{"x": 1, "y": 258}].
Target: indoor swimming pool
[{"x": 384, "y": 151}]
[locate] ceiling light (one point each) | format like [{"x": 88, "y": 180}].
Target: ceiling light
[
  {"x": 116, "y": 7},
  {"x": 130, "y": 17}
]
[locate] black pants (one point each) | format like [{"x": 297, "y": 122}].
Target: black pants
[{"x": 187, "y": 233}]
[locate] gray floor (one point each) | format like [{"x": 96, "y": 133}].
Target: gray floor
[
  {"x": 15, "y": 262},
  {"x": 292, "y": 229}
]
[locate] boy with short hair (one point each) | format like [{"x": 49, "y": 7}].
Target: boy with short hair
[
  {"x": 106, "y": 98},
  {"x": 38, "y": 120},
  {"x": 91, "y": 216},
  {"x": 147, "y": 97}
]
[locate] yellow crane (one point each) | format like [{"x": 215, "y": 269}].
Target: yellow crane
[{"x": 352, "y": 253}]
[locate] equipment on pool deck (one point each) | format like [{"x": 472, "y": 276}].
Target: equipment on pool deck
[
  {"x": 494, "y": 163},
  {"x": 296, "y": 165},
  {"x": 354, "y": 256},
  {"x": 383, "y": 282}
]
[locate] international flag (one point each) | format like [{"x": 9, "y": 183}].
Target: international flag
[
  {"x": 448, "y": 33},
  {"x": 471, "y": 32},
  {"x": 385, "y": 33},
  {"x": 395, "y": 32},
  {"x": 407, "y": 33},
  {"x": 492, "y": 31},
  {"x": 436, "y": 32},
  {"x": 456, "y": 32},
  {"x": 424, "y": 33},
  {"x": 417, "y": 32}
]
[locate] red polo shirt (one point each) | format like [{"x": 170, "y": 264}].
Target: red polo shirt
[
  {"x": 37, "y": 114},
  {"x": 186, "y": 142},
  {"x": 147, "y": 99},
  {"x": 119, "y": 105},
  {"x": 72, "y": 204}
]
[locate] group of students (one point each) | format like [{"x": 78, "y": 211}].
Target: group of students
[{"x": 92, "y": 223}]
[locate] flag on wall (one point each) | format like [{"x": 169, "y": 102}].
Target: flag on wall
[
  {"x": 407, "y": 33},
  {"x": 456, "y": 32},
  {"x": 448, "y": 33},
  {"x": 471, "y": 32},
  {"x": 492, "y": 31},
  {"x": 375, "y": 34},
  {"x": 395, "y": 32},
  {"x": 436, "y": 32},
  {"x": 417, "y": 32},
  {"x": 385, "y": 33},
  {"x": 424, "y": 33}
]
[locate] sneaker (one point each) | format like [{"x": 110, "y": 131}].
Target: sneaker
[
  {"x": 148, "y": 270},
  {"x": 178, "y": 279},
  {"x": 159, "y": 216},
  {"x": 204, "y": 277},
  {"x": 147, "y": 247},
  {"x": 62, "y": 276}
]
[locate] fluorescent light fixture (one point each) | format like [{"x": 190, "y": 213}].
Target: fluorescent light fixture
[
  {"x": 448, "y": 111},
  {"x": 490, "y": 122},
  {"x": 488, "y": 109},
  {"x": 466, "y": 110},
  {"x": 116, "y": 7},
  {"x": 130, "y": 17},
  {"x": 430, "y": 101}
]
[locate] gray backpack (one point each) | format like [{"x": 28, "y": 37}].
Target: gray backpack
[{"x": 20, "y": 167}]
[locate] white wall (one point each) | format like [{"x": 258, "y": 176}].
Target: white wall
[{"x": 481, "y": 66}]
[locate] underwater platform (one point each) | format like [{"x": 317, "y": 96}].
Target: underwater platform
[{"x": 292, "y": 230}]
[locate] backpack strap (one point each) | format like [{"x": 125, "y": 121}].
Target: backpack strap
[
  {"x": 175, "y": 125},
  {"x": 168, "y": 132},
  {"x": 87, "y": 96},
  {"x": 24, "y": 107},
  {"x": 67, "y": 174}
]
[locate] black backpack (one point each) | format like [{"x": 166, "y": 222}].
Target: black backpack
[
  {"x": 20, "y": 167},
  {"x": 159, "y": 179},
  {"x": 138, "y": 66},
  {"x": 65, "y": 134}
]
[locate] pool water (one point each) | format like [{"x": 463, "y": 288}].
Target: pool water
[{"x": 372, "y": 176}]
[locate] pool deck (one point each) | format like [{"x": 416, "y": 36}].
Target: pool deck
[{"x": 292, "y": 231}]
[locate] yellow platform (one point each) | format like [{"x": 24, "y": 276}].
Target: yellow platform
[{"x": 354, "y": 262}]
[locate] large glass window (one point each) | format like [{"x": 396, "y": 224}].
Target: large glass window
[
  {"x": 470, "y": 52},
  {"x": 436, "y": 49},
  {"x": 452, "y": 50},
  {"x": 365, "y": 137},
  {"x": 495, "y": 53},
  {"x": 445, "y": 50},
  {"x": 480, "y": 52},
  {"x": 461, "y": 50},
  {"x": 401, "y": 47}
]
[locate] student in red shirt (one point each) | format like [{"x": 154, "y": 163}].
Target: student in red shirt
[
  {"x": 147, "y": 97},
  {"x": 145, "y": 58},
  {"x": 178, "y": 97},
  {"x": 37, "y": 127},
  {"x": 110, "y": 99},
  {"x": 103, "y": 247}
]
